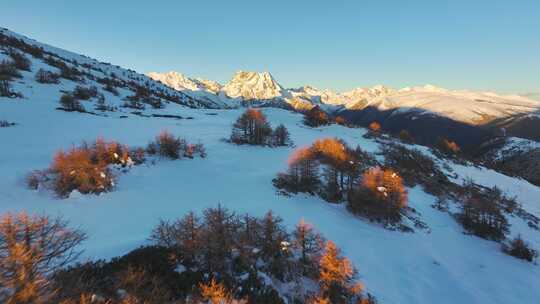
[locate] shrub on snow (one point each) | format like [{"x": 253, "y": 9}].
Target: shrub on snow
[
  {"x": 170, "y": 146},
  {"x": 167, "y": 145},
  {"x": 47, "y": 77},
  {"x": 85, "y": 169},
  {"x": 70, "y": 103},
  {"x": 520, "y": 249},
  {"x": 19, "y": 60},
  {"x": 5, "y": 124},
  {"x": 8, "y": 70},
  {"x": 84, "y": 93}
]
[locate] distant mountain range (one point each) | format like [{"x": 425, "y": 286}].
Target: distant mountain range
[
  {"x": 464, "y": 106},
  {"x": 413, "y": 108}
]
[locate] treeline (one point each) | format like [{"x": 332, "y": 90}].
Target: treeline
[
  {"x": 219, "y": 257},
  {"x": 253, "y": 128},
  {"x": 89, "y": 168}
]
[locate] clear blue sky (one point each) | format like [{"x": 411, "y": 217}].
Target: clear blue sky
[{"x": 460, "y": 44}]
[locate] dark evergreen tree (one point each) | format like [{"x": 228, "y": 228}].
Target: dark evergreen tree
[{"x": 281, "y": 136}]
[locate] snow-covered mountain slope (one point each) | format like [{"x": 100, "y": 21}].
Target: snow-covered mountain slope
[
  {"x": 463, "y": 106},
  {"x": 469, "y": 118},
  {"x": 89, "y": 72},
  {"x": 513, "y": 156}
]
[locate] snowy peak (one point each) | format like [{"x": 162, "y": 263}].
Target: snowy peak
[
  {"x": 180, "y": 82},
  {"x": 253, "y": 85},
  {"x": 244, "y": 86}
]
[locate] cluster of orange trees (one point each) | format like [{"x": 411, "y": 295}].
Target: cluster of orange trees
[
  {"x": 253, "y": 128},
  {"x": 36, "y": 253},
  {"x": 87, "y": 168},
  {"x": 331, "y": 169}
]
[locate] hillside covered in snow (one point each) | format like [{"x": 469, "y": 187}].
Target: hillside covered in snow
[{"x": 60, "y": 100}]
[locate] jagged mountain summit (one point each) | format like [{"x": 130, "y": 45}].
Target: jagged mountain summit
[{"x": 253, "y": 86}]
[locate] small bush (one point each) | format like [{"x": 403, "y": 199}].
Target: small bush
[
  {"x": 101, "y": 105},
  {"x": 20, "y": 61},
  {"x": 448, "y": 147},
  {"x": 5, "y": 88},
  {"x": 167, "y": 145},
  {"x": 8, "y": 70},
  {"x": 200, "y": 149},
  {"x": 110, "y": 88},
  {"x": 47, "y": 77},
  {"x": 138, "y": 156},
  {"x": 133, "y": 104},
  {"x": 483, "y": 217},
  {"x": 5, "y": 124},
  {"x": 520, "y": 249},
  {"x": 340, "y": 121},
  {"x": 375, "y": 128},
  {"x": 34, "y": 178},
  {"x": 84, "y": 93},
  {"x": 405, "y": 137},
  {"x": 68, "y": 102}
]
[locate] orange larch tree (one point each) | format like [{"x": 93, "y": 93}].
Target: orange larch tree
[
  {"x": 375, "y": 127},
  {"x": 337, "y": 276}
]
